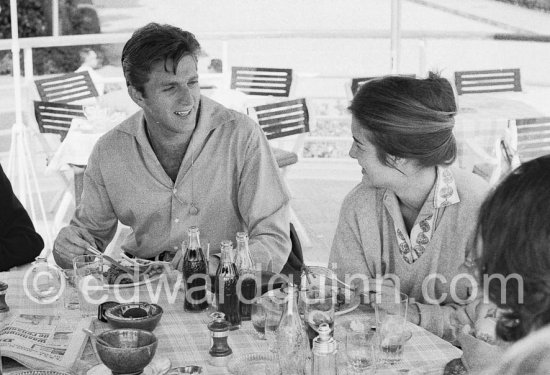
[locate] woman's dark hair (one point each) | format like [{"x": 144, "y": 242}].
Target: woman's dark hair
[
  {"x": 153, "y": 43},
  {"x": 409, "y": 118},
  {"x": 514, "y": 228}
]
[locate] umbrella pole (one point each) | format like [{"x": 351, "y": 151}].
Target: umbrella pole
[{"x": 20, "y": 162}]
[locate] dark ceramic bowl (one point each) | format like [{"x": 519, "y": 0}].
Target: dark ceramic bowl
[
  {"x": 131, "y": 351},
  {"x": 140, "y": 315}
]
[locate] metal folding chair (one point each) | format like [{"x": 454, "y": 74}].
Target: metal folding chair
[
  {"x": 484, "y": 81},
  {"x": 261, "y": 81},
  {"x": 283, "y": 119},
  {"x": 357, "y": 82},
  {"x": 66, "y": 88}
]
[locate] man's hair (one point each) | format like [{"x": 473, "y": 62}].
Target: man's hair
[
  {"x": 409, "y": 118},
  {"x": 155, "y": 43},
  {"x": 514, "y": 229}
]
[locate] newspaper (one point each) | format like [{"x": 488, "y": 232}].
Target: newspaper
[{"x": 44, "y": 342}]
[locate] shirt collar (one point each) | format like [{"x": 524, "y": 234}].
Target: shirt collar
[
  {"x": 444, "y": 191},
  {"x": 211, "y": 116}
]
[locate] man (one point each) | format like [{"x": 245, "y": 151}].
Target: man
[
  {"x": 183, "y": 160},
  {"x": 89, "y": 62},
  {"x": 19, "y": 242}
]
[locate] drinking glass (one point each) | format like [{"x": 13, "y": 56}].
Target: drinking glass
[
  {"x": 89, "y": 270},
  {"x": 273, "y": 308},
  {"x": 361, "y": 351},
  {"x": 318, "y": 299},
  {"x": 257, "y": 315},
  {"x": 391, "y": 321},
  {"x": 71, "y": 300}
]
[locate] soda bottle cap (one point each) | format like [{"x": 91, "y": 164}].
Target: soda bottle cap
[
  {"x": 242, "y": 235},
  {"x": 193, "y": 229},
  {"x": 218, "y": 317}
]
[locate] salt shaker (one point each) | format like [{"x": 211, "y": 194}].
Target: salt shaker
[{"x": 220, "y": 352}]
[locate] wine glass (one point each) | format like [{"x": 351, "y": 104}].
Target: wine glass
[{"x": 258, "y": 317}]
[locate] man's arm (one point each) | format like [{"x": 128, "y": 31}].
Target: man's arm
[
  {"x": 264, "y": 204},
  {"x": 94, "y": 222},
  {"x": 19, "y": 242}
]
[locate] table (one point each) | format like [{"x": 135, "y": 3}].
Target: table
[
  {"x": 184, "y": 337},
  {"x": 482, "y": 119}
]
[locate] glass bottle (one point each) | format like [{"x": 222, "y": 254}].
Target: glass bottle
[
  {"x": 324, "y": 352},
  {"x": 245, "y": 268},
  {"x": 226, "y": 280},
  {"x": 195, "y": 273},
  {"x": 291, "y": 337}
]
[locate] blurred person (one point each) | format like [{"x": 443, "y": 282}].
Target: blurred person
[
  {"x": 182, "y": 160},
  {"x": 216, "y": 66},
  {"x": 413, "y": 216},
  {"x": 89, "y": 62},
  {"x": 514, "y": 235},
  {"x": 19, "y": 242}
]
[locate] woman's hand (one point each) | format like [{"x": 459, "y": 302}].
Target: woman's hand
[{"x": 477, "y": 354}]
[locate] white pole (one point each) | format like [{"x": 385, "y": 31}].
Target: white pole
[
  {"x": 16, "y": 62},
  {"x": 55, "y": 17},
  {"x": 395, "y": 35},
  {"x": 226, "y": 69},
  {"x": 20, "y": 158}
]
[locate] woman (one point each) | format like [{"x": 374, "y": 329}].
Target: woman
[
  {"x": 19, "y": 242},
  {"x": 412, "y": 216},
  {"x": 514, "y": 228}
]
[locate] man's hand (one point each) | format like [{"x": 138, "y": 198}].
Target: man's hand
[{"x": 71, "y": 242}]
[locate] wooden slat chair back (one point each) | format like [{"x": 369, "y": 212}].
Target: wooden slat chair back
[
  {"x": 261, "y": 81},
  {"x": 356, "y": 83},
  {"x": 484, "y": 81},
  {"x": 56, "y": 117},
  {"x": 66, "y": 88},
  {"x": 283, "y": 119},
  {"x": 532, "y": 136}
]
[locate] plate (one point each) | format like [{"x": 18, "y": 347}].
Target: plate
[
  {"x": 39, "y": 372},
  {"x": 158, "y": 366},
  {"x": 253, "y": 364},
  {"x": 137, "y": 283}
]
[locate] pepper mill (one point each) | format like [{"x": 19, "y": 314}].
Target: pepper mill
[
  {"x": 220, "y": 351},
  {"x": 4, "y": 308}
]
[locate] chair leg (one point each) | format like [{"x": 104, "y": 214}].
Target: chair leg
[{"x": 302, "y": 234}]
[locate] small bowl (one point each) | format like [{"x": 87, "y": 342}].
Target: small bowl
[
  {"x": 185, "y": 370},
  {"x": 140, "y": 315},
  {"x": 131, "y": 351}
]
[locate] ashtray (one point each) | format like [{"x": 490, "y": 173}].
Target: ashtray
[
  {"x": 254, "y": 364},
  {"x": 158, "y": 366},
  {"x": 140, "y": 315},
  {"x": 185, "y": 370}
]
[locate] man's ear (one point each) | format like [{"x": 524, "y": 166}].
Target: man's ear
[{"x": 136, "y": 95}]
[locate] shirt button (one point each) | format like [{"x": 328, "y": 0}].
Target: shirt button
[
  {"x": 175, "y": 191},
  {"x": 175, "y": 247},
  {"x": 177, "y": 220}
]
